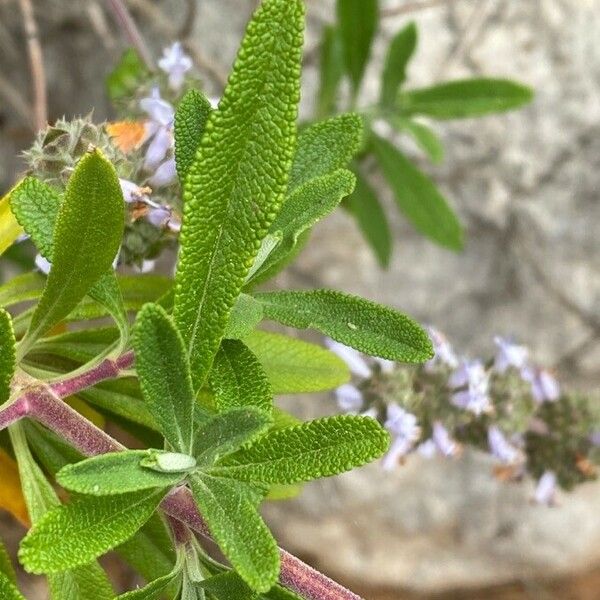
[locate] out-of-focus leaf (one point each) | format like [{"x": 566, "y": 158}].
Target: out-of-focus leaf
[
  {"x": 465, "y": 98},
  {"x": 245, "y": 316},
  {"x": 7, "y": 355},
  {"x": 371, "y": 219},
  {"x": 400, "y": 51},
  {"x": 331, "y": 70},
  {"x": 126, "y": 77},
  {"x": 417, "y": 197},
  {"x": 423, "y": 135}
]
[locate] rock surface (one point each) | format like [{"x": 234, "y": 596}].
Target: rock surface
[{"x": 527, "y": 187}]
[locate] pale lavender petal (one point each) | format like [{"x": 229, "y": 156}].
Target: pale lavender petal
[
  {"x": 159, "y": 110},
  {"x": 509, "y": 355},
  {"x": 544, "y": 386},
  {"x": 443, "y": 351},
  {"x": 501, "y": 448},
  {"x": 159, "y": 216},
  {"x": 349, "y": 398},
  {"x": 42, "y": 264},
  {"x": 595, "y": 438},
  {"x": 398, "y": 449},
  {"x": 401, "y": 423},
  {"x": 176, "y": 64},
  {"x": 372, "y": 413},
  {"x": 427, "y": 449},
  {"x": 443, "y": 441},
  {"x": 356, "y": 363},
  {"x": 157, "y": 149},
  {"x": 164, "y": 175},
  {"x": 545, "y": 492}
]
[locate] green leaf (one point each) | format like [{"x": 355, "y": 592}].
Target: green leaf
[
  {"x": 366, "y": 209},
  {"x": 400, "y": 51},
  {"x": 465, "y": 98},
  {"x": 245, "y": 316},
  {"x": 164, "y": 374},
  {"x": 239, "y": 530},
  {"x": 115, "y": 473},
  {"x": 369, "y": 327},
  {"x": 319, "y": 448},
  {"x": 228, "y": 586},
  {"x": 8, "y": 591},
  {"x": 7, "y": 355},
  {"x": 357, "y": 20},
  {"x": 27, "y": 286},
  {"x": 237, "y": 379},
  {"x": 125, "y": 79},
  {"x": 295, "y": 366},
  {"x": 87, "y": 236},
  {"x": 228, "y": 432},
  {"x": 155, "y": 590},
  {"x": 305, "y": 207},
  {"x": 190, "y": 121},
  {"x": 331, "y": 70},
  {"x": 82, "y": 582},
  {"x": 6, "y": 566},
  {"x": 36, "y": 206},
  {"x": 73, "y": 535},
  {"x": 236, "y": 184},
  {"x": 427, "y": 140},
  {"x": 325, "y": 147},
  {"x": 417, "y": 197}
]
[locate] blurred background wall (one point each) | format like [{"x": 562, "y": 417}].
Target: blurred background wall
[{"x": 527, "y": 187}]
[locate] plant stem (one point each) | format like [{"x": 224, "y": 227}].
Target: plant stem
[{"x": 44, "y": 403}]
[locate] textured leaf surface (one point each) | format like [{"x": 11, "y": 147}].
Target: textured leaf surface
[
  {"x": 237, "y": 379},
  {"x": 418, "y": 198},
  {"x": 227, "y": 432},
  {"x": 164, "y": 374},
  {"x": 357, "y": 22},
  {"x": 155, "y": 590},
  {"x": 465, "y": 98},
  {"x": 87, "y": 236},
  {"x": 227, "y": 586},
  {"x": 190, "y": 122},
  {"x": 236, "y": 184},
  {"x": 239, "y": 530},
  {"x": 73, "y": 535},
  {"x": 245, "y": 316},
  {"x": 369, "y": 327},
  {"x": 6, "y": 566},
  {"x": 305, "y": 207},
  {"x": 331, "y": 70},
  {"x": 37, "y": 206},
  {"x": 114, "y": 473},
  {"x": 7, "y": 354},
  {"x": 8, "y": 591},
  {"x": 424, "y": 136},
  {"x": 325, "y": 147},
  {"x": 371, "y": 219},
  {"x": 400, "y": 51},
  {"x": 27, "y": 286},
  {"x": 295, "y": 366},
  {"x": 319, "y": 448}
]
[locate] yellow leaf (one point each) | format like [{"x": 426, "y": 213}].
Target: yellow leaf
[
  {"x": 10, "y": 230},
  {"x": 11, "y": 496}
]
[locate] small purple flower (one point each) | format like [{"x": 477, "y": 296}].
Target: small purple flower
[
  {"x": 175, "y": 63},
  {"x": 159, "y": 216},
  {"x": 160, "y": 111},
  {"x": 544, "y": 386},
  {"x": 158, "y": 148},
  {"x": 443, "y": 441},
  {"x": 545, "y": 491},
  {"x": 427, "y": 449},
  {"x": 354, "y": 359},
  {"x": 444, "y": 353},
  {"x": 475, "y": 398},
  {"x": 162, "y": 115},
  {"x": 165, "y": 174},
  {"x": 405, "y": 431},
  {"x": 595, "y": 437},
  {"x": 132, "y": 192},
  {"x": 501, "y": 448},
  {"x": 349, "y": 398},
  {"x": 42, "y": 264},
  {"x": 509, "y": 355}
]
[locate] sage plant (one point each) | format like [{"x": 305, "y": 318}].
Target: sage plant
[{"x": 180, "y": 365}]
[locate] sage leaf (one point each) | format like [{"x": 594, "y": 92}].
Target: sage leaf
[
  {"x": 400, "y": 51},
  {"x": 294, "y": 366},
  {"x": 237, "y": 379},
  {"x": 318, "y": 448},
  {"x": 228, "y": 432},
  {"x": 164, "y": 373},
  {"x": 369, "y": 327},
  {"x": 465, "y": 98},
  {"x": 227, "y": 586},
  {"x": 370, "y": 217},
  {"x": 75, "y": 534},
  {"x": 8, "y": 591},
  {"x": 87, "y": 235},
  {"x": 237, "y": 181},
  {"x": 27, "y": 286},
  {"x": 331, "y": 70},
  {"x": 115, "y": 473},
  {"x": 425, "y": 138},
  {"x": 190, "y": 122},
  {"x": 236, "y": 526},
  {"x": 7, "y": 355},
  {"x": 357, "y": 22},
  {"x": 155, "y": 590},
  {"x": 325, "y": 147},
  {"x": 245, "y": 316},
  {"x": 6, "y": 566},
  {"x": 417, "y": 197}
]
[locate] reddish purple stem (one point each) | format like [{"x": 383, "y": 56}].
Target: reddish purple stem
[{"x": 46, "y": 406}]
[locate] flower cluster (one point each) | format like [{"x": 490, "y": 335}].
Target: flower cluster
[{"x": 507, "y": 406}]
